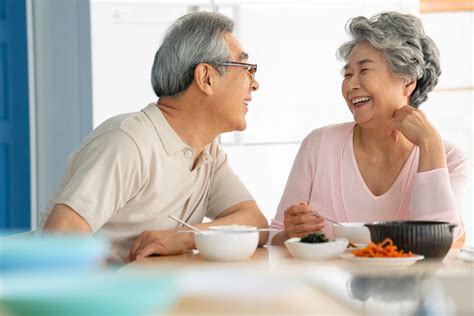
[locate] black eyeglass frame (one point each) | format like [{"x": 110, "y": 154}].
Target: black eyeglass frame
[{"x": 251, "y": 68}]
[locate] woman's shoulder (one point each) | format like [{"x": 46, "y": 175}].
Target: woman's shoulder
[
  {"x": 334, "y": 131},
  {"x": 456, "y": 158}
]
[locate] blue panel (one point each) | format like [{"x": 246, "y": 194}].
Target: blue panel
[
  {"x": 14, "y": 128},
  {"x": 3, "y": 82},
  {"x": 4, "y": 184},
  {"x": 2, "y": 9}
]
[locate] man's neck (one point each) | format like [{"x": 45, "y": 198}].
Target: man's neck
[{"x": 190, "y": 120}]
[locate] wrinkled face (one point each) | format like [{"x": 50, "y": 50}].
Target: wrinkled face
[
  {"x": 235, "y": 89},
  {"x": 372, "y": 92}
]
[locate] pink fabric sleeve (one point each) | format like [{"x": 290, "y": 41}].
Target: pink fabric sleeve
[
  {"x": 439, "y": 194},
  {"x": 299, "y": 183}
]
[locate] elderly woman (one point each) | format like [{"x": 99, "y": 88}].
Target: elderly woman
[{"x": 390, "y": 163}]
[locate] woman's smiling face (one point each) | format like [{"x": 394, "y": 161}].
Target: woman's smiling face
[{"x": 372, "y": 92}]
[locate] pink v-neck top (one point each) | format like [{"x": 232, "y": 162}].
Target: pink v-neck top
[{"x": 326, "y": 175}]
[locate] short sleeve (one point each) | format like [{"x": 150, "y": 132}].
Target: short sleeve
[
  {"x": 104, "y": 175},
  {"x": 226, "y": 189}
]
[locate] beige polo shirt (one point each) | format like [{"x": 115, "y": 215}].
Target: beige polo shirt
[{"x": 133, "y": 171}]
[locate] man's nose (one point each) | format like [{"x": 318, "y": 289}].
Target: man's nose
[{"x": 254, "y": 85}]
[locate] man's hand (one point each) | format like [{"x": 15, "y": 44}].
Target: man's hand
[
  {"x": 171, "y": 242},
  {"x": 165, "y": 243},
  {"x": 301, "y": 220}
]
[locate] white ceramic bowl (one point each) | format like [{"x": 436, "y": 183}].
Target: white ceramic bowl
[
  {"x": 225, "y": 245},
  {"x": 232, "y": 228},
  {"x": 319, "y": 251},
  {"x": 356, "y": 233}
]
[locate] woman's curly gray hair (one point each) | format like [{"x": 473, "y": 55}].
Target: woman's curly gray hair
[{"x": 409, "y": 52}]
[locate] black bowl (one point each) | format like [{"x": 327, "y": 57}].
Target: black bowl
[{"x": 429, "y": 238}]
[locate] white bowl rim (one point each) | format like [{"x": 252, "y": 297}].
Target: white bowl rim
[
  {"x": 225, "y": 232},
  {"x": 298, "y": 240},
  {"x": 351, "y": 225},
  {"x": 232, "y": 228}
]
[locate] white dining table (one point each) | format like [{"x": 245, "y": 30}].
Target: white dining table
[{"x": 273, "y": 282}]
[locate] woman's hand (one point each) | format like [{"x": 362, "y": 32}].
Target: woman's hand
[
  {"x": 301, "y": 220},
  {"x": 415, "y": 126}
]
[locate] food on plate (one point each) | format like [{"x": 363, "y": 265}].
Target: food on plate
[
  {"x": 314, "y": 238},
  {"x": 385, "y": 249},
  {"x": 351, "y": 245}
]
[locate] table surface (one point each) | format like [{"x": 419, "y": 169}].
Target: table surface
[{"x": 273, "y": 282}]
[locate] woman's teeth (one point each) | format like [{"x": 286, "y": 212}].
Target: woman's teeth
[{"x": 360, "y": 101}]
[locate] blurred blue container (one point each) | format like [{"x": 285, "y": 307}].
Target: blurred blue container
[
  {"x": 51, "y": 252},
  {"x": 91, "y": 294}
]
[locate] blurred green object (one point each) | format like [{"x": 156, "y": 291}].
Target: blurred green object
[
  {"x": 28, "y": 252},
  {"x": 314, "y": 238},
  {"x": 106, "y": 293}
]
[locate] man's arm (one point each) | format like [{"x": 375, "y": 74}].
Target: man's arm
[
  {"x": 171, "y": 242},
  {"x": 244, "y": 213},
  {"x": 65, "y": 220}
]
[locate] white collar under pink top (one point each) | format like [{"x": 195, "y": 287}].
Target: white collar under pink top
[{"x": 325, "y": 174}]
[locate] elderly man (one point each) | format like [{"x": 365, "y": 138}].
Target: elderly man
[{"x": 135, "y": 169}]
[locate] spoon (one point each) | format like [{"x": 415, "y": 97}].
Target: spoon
[
  {"x": 329, "y": 220},
  {"x": 237, "y": 231},
  {"x": 185, "y": 224}
]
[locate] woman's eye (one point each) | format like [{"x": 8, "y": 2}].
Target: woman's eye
[
  {"x": 364, "y": 71},
  {"x": 347, "y": 75}
]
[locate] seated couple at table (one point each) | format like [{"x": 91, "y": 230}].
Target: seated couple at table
[{"x": 135, "y": 170}]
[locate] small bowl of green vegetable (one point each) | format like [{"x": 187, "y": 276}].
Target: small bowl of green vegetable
[{"x": 316, "y": 247}]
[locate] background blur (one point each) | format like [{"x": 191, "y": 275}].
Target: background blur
[{"x": 89, "y": 60}]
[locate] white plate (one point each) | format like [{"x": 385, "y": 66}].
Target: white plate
[
  {"x": 466, "y": 256},
  {"x": 468, "y": 249},
  {"x": 357, "y": 247},
  {"x": 400, "y": 262}
]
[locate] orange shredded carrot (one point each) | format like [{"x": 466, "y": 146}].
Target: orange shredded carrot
[{"x": 384, "y": 249}]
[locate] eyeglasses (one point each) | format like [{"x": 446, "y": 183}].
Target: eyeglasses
[{"x": 251, "y": 68}]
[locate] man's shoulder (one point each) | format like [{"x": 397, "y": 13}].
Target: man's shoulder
[
  {"x": 123, "y": 121},
  {"x": 122, "y": 129},
  {"x": 136, "y": 125}
]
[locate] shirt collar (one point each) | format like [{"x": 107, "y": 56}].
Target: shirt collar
[{"x": 172, "y": 143}]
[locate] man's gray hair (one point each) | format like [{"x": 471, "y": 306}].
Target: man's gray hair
[
  {"x": 409, "y": 52},
  {"x": 193, "y": 39}
]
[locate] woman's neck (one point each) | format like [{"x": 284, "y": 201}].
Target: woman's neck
[{"x": 378, "y": 144}]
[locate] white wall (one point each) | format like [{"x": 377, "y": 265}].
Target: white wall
[
  {"x": 283, "y": 109},
  {"x": 124, "y": 39},
  {"x": 450, "y": 105},
  {"x": 294, "y": 44}
]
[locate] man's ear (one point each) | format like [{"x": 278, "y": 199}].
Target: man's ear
[
  {"x": 409, "y": 88},
  {"x": 204, "y": 78}
]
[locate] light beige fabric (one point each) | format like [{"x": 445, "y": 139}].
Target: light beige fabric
[{"x": 133, "y": 171}]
